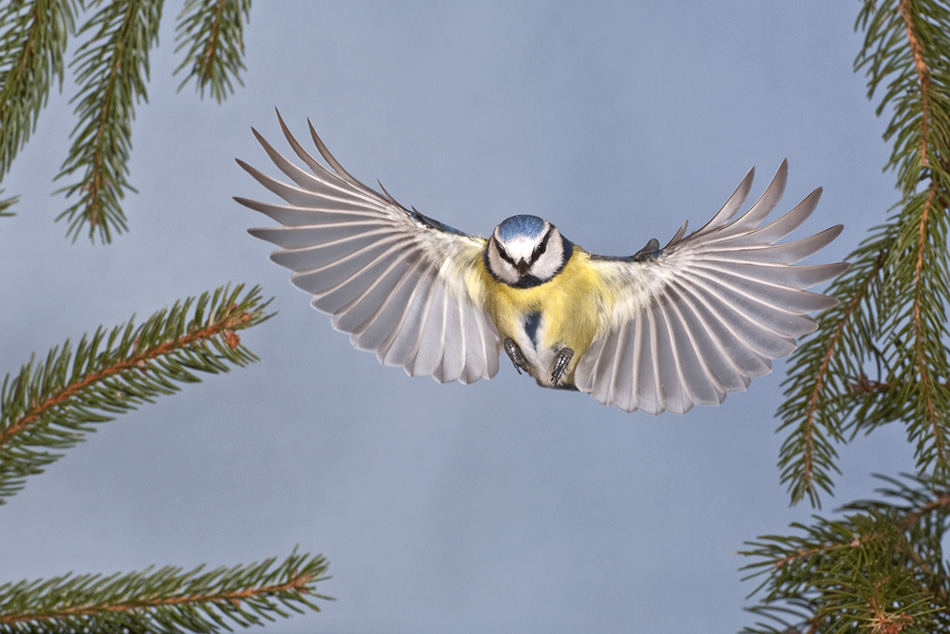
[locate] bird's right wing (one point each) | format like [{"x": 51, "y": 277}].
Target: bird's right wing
[{"x": 403, "y": 285}]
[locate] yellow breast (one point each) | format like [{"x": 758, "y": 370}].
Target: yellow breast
[{"x": 568, "y": 311}]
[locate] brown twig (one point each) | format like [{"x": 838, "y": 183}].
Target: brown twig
[
  {"x": 923, "y": 75},
  {"x": 208, "y": 60}
]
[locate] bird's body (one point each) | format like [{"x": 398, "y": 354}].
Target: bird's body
[
  {"x": 661, "y": 329},
  {"x": 564, "y": 312}
]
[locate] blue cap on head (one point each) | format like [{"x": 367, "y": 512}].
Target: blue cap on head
[{"x": 530, "y": 226}]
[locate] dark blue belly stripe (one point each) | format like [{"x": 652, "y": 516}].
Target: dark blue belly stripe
[{"x": 531, "y": 323}]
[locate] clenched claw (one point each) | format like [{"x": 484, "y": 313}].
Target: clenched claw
[
  {"x": 514, "y": 353},
  {"x": 564, "y": 356}
]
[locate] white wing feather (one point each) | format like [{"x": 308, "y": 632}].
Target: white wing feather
[
  {"x": 390, "y": 277},
  {"x": 710, "y": 311}
]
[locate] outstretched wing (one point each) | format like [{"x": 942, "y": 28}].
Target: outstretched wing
[
  {"x": 697, "y": 319},
  {"x": 403, "y": 285}
]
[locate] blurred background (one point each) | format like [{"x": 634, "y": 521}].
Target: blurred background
[{"x": 497, "y": 507}]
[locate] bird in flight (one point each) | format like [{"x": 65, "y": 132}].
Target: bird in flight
[{"x": 662, "y": 329}]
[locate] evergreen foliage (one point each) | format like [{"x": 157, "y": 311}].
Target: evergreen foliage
[
  {"x": 33, "y": 38},
  {"x": 165, "y": 600},
  {"x": 111, "y": 70},
  {"x": 883, "y": 354},
  {"x": 53, "y": 402},
  {"x": 212, "y": 31},
  {"x": 879, "y": 568},
  {"x": 880, "y": 356},
  {"x": 50, "y": 404}
]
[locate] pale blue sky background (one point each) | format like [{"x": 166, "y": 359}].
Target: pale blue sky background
[{"x": 497, "y": 507}]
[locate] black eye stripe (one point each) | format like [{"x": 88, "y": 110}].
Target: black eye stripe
[
  {"x": 539, "y": 250},
  {"x": 504, "y": 254},
  {"x": 542, "y": 247}
]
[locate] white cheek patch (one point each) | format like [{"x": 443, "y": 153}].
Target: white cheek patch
[
  {"x": 503, "y": 261},
  {"x": 550, "y": 261}
]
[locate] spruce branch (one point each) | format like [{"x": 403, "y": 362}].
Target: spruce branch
[
  {"x": 33, "y": 38},
  {"x": 826, "y": 366},
  {"x": 923, "y": 359},
  {"x": 879, "y": 568},
  {"x": 213, "y": 32},
  {"x": 165, "y": 600},
  {"x": 906, "y": 46},
  {"x": 49, "y": 405},
  {"x": 890, "y": 330},
  {"x": 111, "y": 69}
]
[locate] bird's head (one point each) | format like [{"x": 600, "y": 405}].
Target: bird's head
[{"x": 526, "y": 251}]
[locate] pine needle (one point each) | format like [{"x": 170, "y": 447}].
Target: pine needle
[{"x": 52, "y": 403}]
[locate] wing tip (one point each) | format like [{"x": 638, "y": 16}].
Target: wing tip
[{"x": 781, "y": 175}]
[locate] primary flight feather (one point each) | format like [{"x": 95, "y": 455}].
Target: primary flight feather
[{"x": 663, "y": 329}]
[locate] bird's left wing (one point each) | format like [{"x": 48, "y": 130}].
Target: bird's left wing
[
  {"x": 697, "y": 319},
  {"x": 403, "y": 285}
]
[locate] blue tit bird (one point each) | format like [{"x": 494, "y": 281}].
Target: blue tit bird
[{"x": 663, "y": 329}]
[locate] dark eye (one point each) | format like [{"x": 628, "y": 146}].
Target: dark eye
[
  {"x": 539, "y": 250},
  {"x": 504, "y": 254}
]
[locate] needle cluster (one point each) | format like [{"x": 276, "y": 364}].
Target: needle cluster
[
  {"x": 110, "y": 68},
  {"x": 33, "y": 39},
  {"x": 167, "y": 600},
  {"x": 52, "y": 403},
  {"x": 878, "y": 567},
  {"x": 212, "y": 31},
  {"x": 881, "y": 356}
]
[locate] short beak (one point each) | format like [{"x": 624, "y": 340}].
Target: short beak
[{"x": 523, "y": 267}]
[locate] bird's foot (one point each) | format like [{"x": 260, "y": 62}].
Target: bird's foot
[
  {"x": 514, "y": 353},
  {"x": 561, "y": 361}
]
